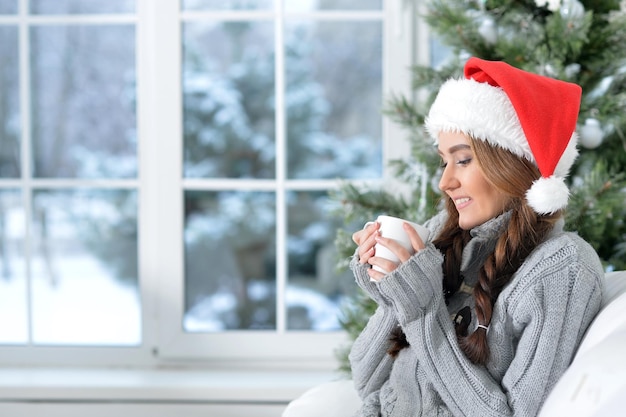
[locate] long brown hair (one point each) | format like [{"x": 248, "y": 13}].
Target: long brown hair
[{"x": 512, "y": 176}]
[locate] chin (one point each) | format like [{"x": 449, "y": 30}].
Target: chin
[
  {"x": 468, "y": 224},
  {"x": 465, "y": 227}
]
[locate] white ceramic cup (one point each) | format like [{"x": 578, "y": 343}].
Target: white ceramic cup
[{"x": 391, "y": 227}]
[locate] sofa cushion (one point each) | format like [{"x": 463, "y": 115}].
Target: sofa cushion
[
  {"x": 594, "y": 385},
  {"x": 331, "y": 399}
]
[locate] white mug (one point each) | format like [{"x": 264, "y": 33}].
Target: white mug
[{"x": 391, "y": 227}]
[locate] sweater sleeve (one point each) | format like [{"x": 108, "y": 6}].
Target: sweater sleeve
[
  {"x": 369, "y": 361},
  {"x": 364, "y": 282},
  {"x": 548, "y": 305}
]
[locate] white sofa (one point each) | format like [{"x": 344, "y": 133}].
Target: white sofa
[{"x": 593, "y": 385}]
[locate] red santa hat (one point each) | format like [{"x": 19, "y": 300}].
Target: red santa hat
[{"x": 530, "y": 115}]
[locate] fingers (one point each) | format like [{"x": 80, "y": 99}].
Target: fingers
[
  {"x": 369, "y": 228},
  {"x": 383, "y": 267},
  {"x": 365, "y": 239},
  {"x": 416, "y": 241},
  {"x": 370, "y": 236},
  {"x": 375, "y": 275},
  {"x": 401, "y": 252},
  {"x": 395, "y": 247}
]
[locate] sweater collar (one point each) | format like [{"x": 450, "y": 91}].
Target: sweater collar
[{"x": 482, "y": 243}]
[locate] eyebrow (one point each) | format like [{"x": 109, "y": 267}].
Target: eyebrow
[{"x": 455, "y": 148}]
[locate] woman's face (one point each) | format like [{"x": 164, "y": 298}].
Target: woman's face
[{"x": 463, "y": 180}]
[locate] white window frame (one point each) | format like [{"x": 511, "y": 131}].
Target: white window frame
[{"x": 161, "y": 255}]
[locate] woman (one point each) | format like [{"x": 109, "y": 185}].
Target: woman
[{"x": 485, "y": 318}]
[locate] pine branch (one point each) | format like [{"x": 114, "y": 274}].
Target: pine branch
[{"x": 597, "y": 210}]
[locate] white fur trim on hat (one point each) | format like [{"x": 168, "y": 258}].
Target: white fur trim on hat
[
  {"x": 548, "y": 195},
  {"x": 485, "y": 112},
  {"x": 569, "y": 156},
  {"x": 480, "y": 110}
]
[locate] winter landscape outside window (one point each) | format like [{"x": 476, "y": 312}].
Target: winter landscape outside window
[
  {"x": 165, "y": 169},
  {"x": 67, "y": 120},
  {"x": 331, "y": 96}
]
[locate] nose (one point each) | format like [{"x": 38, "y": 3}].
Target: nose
[{"x": 448, "y": 181}]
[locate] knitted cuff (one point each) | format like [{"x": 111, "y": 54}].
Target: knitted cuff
[
  {"x": 414, "y": 285},
  {"x": 363, "y": 280}
]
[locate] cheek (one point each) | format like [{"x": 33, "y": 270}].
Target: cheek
[
  {"x": 495, "y": 200},
  {"x": 491, "y": 200}
]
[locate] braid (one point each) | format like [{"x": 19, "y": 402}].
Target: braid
[{"x": 524, "y": 232}]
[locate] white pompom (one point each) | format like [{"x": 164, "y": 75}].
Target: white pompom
[{"x": 548, "y": 195}]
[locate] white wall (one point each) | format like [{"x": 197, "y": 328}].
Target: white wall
[
  {"x": 44, "y": 409},
  {"x": 80, "y": 392}
]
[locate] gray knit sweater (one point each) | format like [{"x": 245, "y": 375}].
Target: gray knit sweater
[{"x": 538, "y": 321}]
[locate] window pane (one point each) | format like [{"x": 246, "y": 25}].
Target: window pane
[
  {"x": 83, "y": 89},
  {"x": 13, "y": 307},
  {"x": 227, "y": 4},
  {"x": 81, "y": 6},
  {"x": 228, "y": 87},
  {"x": 230, "y": 265},
  {"x": 9, "y": 104},
  {"x": 84, "y": 268},
  {"x": 8, "y": 6},
  {"x": 334, "y": 97},
  {"x": 439, "y": 52},
  {"x": 316, "y": 290},
  {"x": 310, "y": 5}
]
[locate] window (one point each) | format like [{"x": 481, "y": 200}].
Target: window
[
  {"x": 69, "y": 170},
  {"x": 165, "y": 170}
]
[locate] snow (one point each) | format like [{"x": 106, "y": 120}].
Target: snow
[
  {"x": 84, "y": 305},
  {"x": 13, "y": 316},
  {"x": 209, "y": 315},
  {"x": 87, "y": 306}
]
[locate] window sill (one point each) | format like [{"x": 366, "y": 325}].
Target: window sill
[{"x": 156, "y": 385}]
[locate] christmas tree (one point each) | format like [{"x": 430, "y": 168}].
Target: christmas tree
[{"x": 577, "y": 41}]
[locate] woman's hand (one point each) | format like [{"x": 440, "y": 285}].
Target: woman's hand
[
  {"x": 370, "y": 236},
  {"x": 366, "y": 239}
]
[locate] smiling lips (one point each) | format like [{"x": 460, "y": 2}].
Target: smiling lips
[{"x": 461, "y": 202}]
